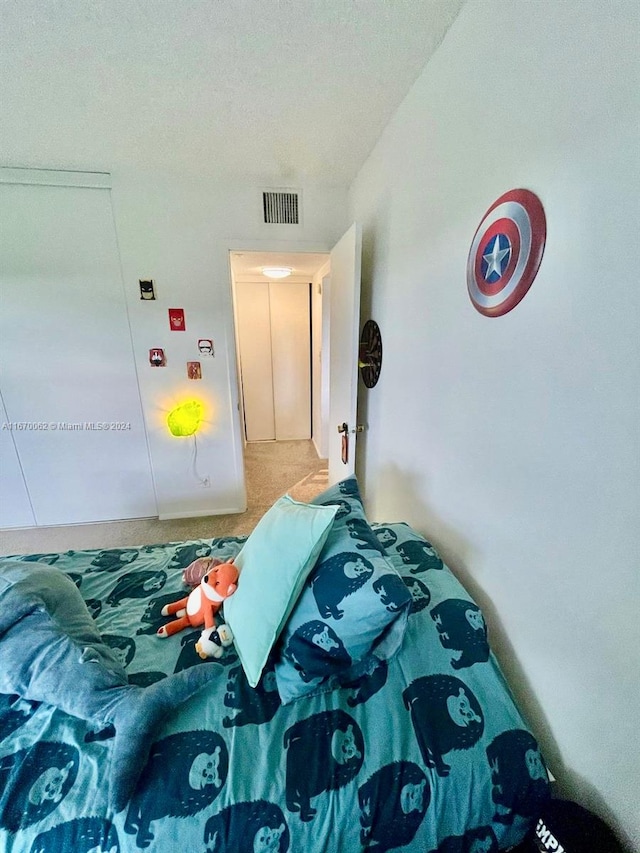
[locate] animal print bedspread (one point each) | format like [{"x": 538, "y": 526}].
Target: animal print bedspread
[{"x": 426, "y": 753}]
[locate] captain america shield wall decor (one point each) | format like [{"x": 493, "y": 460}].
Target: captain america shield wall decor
[{"x": 506, "y": 252}]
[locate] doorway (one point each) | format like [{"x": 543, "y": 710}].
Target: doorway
[{"x": 281, "y": 329}]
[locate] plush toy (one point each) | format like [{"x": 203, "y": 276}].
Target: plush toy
[
  {"x": 218, "y": 640},
  {"x": 195, "y": 571},
  {"x": 200, "y": 608}
]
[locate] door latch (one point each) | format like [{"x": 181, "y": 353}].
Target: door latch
[{"x": 343, "y": 429}]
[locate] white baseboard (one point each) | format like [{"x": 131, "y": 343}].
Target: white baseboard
[{"x": 200, "y": 513}]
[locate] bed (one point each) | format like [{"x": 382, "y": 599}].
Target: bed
[{"x": 419, "y": 750}]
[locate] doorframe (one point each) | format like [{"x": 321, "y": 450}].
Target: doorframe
[
  {"x": 266, "y": 246},
  {"x": 321, "y": 441}
]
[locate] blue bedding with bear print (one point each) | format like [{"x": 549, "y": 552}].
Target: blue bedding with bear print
[{"x": 424, "y": 753}]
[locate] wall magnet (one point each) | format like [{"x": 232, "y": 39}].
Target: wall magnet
[
  {"x": 176, "y": 319},
  {"x": 157, "y": 358},
  {"x": 194, "y": 370},
  {"x": 147, "y": 289},
  {"x": 205, "y": 346}
]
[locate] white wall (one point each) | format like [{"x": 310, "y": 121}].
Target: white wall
[
  {"x": 179, "y": 232},
  {"x": 513, "y": 442}
]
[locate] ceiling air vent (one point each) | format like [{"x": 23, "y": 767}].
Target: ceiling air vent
[{"x": 281, "y": 208}]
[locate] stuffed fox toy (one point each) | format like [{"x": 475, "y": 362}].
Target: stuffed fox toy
[{"x": 200, "y": 608}]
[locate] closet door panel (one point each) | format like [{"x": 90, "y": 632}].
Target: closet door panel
[
  {"x": 291, "y": 359},
  {"x": 254, "y": 333},
  {"x": 15, "y": 507},
  {"x": 67, "y": 357}
]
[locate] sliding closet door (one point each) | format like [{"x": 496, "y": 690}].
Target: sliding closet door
[
  {"x": 254, "y": 338},
  {"x": 15, "y": 507},
  {"x": 66, "y": 358},
  {"x": 291, "y": 358},
  {"x": 274, "y": 339}
]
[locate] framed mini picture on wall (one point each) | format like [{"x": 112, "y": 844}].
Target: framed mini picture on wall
[
  {"x": 176, "y": 320},
  {"x": 194, "y": 370}
]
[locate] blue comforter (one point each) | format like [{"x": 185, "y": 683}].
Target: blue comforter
[{"x": 425, "y": 753}]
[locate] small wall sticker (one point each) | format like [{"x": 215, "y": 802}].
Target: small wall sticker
[
  {"x": 157, "y": 358},
  {"x": 194, "y": 370},
  {"x": 205, "y": 346},
  {"x": 147, "y": 289},
  {"x": 176, "y": 319}
]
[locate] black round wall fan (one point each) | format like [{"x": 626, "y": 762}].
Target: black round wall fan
[{"x": 370, "y": 355}]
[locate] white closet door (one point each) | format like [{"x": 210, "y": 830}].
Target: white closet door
[
  {"x": 66, "y": 357},
  {"x": 254, "y": 337},
  {"x": 291, "y": 359},
  {"x": 15, "y": 507}
]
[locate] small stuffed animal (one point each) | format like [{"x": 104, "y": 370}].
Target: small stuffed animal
[
  {"x": 213, "y": 642},
  {"x": 200, "y": 608},
  {"x": 195, "y": 571}
]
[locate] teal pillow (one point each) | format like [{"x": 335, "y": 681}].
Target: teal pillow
[
  {"x": 274, "y": 564},
  {"x": 353, "y": 610}
]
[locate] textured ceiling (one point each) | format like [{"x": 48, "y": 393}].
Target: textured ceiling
[{"x": 285, "y": 90}]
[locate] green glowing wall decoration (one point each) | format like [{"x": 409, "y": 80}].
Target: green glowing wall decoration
[{"x": 185, "y": 419}]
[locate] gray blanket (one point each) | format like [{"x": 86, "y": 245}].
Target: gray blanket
[{"x": 51, "y": 651}]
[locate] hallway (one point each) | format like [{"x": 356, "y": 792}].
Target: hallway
[{"x": 275, "y": 467}]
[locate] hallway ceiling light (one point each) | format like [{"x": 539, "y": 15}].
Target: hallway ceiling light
[{"x": 277, "y": 272}]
